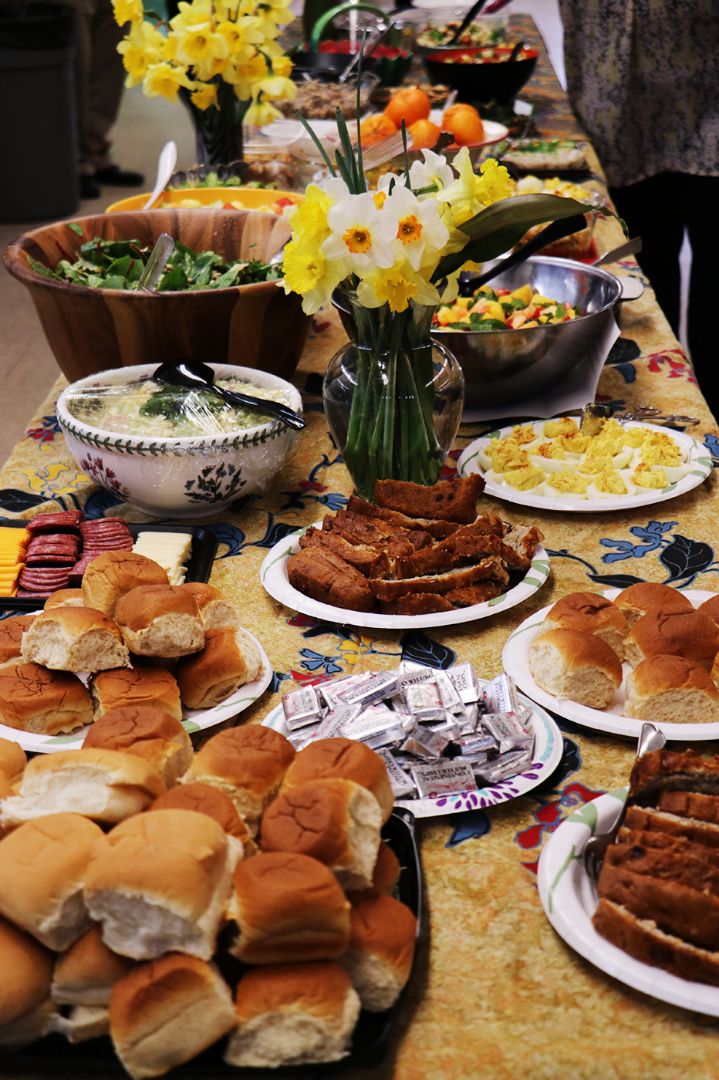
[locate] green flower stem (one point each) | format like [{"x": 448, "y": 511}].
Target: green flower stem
[{"x": 390, "y": 430}]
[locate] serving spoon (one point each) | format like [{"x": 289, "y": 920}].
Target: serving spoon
[
  {"x": 468, "y": 18},
  {"x": 198, "y": 376},
  {"x": 165, "y": 168}
]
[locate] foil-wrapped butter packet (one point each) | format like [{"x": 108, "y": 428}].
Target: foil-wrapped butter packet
[
  {"x": 505, "y": 766},
  {"x": 464, "y": 680},
  {"x": 444, "y": 778},
  {"x": 400, "y": 782},
  {"x": 424, "y": 700},
  {"x": 508, "y": 732},
  {"x": 500, "y": 695},
  {"x": 301, "y": 707}
]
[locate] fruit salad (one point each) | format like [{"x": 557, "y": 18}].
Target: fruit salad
[{"x": 502, "y": 309}]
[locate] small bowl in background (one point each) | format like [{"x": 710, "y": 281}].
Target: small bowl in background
[
  {"x": 185, "y": 477},
  {"x": 490, "y": 80}
]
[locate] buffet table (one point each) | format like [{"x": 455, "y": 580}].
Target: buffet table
[{"x": 495, "y": 992}]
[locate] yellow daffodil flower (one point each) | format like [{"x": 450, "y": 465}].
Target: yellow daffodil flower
[
  {"x": 396, "y": 286},
  {"x": 204, "y": 96},
  {"x": 277, "y": 88},
  {"x": 261, "y": 113},
  {"x": 308, "y": 273},
  {"x": 471, "y": 192},
  {"x": 201, "y": 44},
  {"x": 282, "y": 65},
  {"x": 127, "y": 11},
  {"x": 164, "y": 80},
  {"x": 143, "y": 46}
]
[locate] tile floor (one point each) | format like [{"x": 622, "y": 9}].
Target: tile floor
[{"x": 27, "y": 367}]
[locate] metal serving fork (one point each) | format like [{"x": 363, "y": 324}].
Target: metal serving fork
[{"x": 650, "y": 738}]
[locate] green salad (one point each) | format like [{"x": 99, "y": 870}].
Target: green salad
[{"x": 118, "y": 264}]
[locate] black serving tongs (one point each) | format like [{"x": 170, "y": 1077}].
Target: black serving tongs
[
  {"x": 468, "y": 18},
  {"x": 198, "y": 376}
]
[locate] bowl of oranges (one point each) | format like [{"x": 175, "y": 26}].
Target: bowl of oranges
[{"x": 411, "y": 105}]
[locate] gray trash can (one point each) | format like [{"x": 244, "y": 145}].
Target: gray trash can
[{"x": 38, "y": 137}]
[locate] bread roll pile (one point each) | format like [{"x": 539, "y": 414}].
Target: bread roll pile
[
  {"x": 125, "y": 621},
  {"x": 670, "y": 646},
  {"x": 134, "y": 905}
]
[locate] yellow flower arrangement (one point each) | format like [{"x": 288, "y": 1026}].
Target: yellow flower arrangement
[{"x": 221, "y": 55}]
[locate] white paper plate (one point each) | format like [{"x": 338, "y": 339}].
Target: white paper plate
[
  {"x": 548, "y": 748},
  {"x": 515, "y": 659},
  {"x": 697, "y": 457},
  {"x": 273, "y": 575},
  {"x": 569, "y": 898},
  {"x": 198, "y": 720}
]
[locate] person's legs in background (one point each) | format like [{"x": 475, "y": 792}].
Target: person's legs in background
[
  {"x": 99, "y": 85},
  {"x": 653, "y": 209},
  {"x": 701, "y": 211}
]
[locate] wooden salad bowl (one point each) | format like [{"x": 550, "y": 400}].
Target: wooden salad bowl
[{"x": 91, "y": 330}]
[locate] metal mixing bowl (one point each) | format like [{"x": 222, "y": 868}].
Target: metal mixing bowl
[{"x": 502, "y": 366}]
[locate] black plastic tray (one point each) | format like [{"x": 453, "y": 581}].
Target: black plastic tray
[
  {"x": 199, "y": 567},
  {"x": 55, "y": 1059}
]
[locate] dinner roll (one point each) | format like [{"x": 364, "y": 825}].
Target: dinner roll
[
  {"x": 711, "y": 608},
  {"x": 165, "y": 1013},
  {"x": 248, "y": 764},
  {"x": 163, "y": 884},
  {"x": 576, "y": 665},
  {"x": 335, "y": 821},
  {"x": 106, "y": 785},
  {"x": 141, "y": 684},
  {"x": 160, "y": 620},
  {"x": 347, "y": 760},
  {"x": 114, "y": 573},
  {"x": 87, "y": 971},
  {"x": 287, "y": 907},
  {"x": 11, "y": 632},
  {"x": 211, "y": 801},
  {"x": 147, "y": 732},
  {"x": 229, "y": 659},
  {"x": 591, "y": 613},
  {"x": 13, "y": 760},
  {"x": 66, "y": 598},
  {"x": 78, "y": 1023},
  {"x": 381, "y": 949},
  {"x": 41, "y": 701},
  {"x": 385, "y": 876},
  {"x": 292, "y": 1014},
  {"x": 75, "y": 639},
  {"x": 26, "y": 1011},
  {"x": 690, "y": 634},
  {"x": 43, "y": 866},
  {"x": 637, "y": 600},
  {"x": 672, "y": 690},
  {"x": 215, "y": 609}
]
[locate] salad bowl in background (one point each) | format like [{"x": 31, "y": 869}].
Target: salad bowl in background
[{"x": 90, "y": 330}]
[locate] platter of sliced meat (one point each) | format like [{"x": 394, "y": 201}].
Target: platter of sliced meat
[{"x": 415, "y": 557}]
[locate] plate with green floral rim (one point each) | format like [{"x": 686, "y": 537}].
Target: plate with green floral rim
[
  {"x": 548, "y": 749},
  {"x": 515, "y": 659},
  {"x": 695, "y": 456},
  {"x": 192, "y": 720},
  {"x": 569, "y": 898},
  {"x": 273, "y": 575}
]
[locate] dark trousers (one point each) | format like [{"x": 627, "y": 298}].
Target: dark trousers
[{"x": 659, "y": 210}]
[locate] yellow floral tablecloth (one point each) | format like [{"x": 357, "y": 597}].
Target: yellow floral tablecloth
[{"x": 496, "y": 994}]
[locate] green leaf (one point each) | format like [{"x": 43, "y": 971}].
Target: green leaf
[
  {"x": 318, "y": 144},
  {"x": 348, "y": 154},
  {"x": 75, "y": 227},
  {"x": 499, "y": 227},
  {"x": 39, "y": 268}
]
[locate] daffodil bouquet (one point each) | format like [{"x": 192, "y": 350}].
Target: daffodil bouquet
[
  {"x": 397, "y": 253},
  {"x": 221, "y": 56}
]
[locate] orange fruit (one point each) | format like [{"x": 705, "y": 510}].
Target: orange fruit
[
  {"x": 374, "y": 129},
  {"x": 409, "y": 104},
  {"x": 459, "y": 106},
  {"x": 424, "y": 134},
  {"x": 466, "y": 127}
]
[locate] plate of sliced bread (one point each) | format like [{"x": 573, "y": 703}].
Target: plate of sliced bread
[
  {"x": 414, "y": 557},
  {"x": 611, "y": 660},
  {"x": 125, "y": 640},
  {"x": 651, "y": 918}
]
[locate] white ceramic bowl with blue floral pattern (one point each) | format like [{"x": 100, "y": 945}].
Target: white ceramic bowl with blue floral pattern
[{"x": 183, "y": 477}]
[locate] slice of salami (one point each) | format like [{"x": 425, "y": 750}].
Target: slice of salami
[{"x": 60, "y": 522}]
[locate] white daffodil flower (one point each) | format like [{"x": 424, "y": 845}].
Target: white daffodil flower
[
  {"x": 360, "y": 233},
  {"x": 420, "y": 234},
  {"x": 433, "y": 172}
]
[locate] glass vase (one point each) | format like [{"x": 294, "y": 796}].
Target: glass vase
[{"x": 393, "y": 397}]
